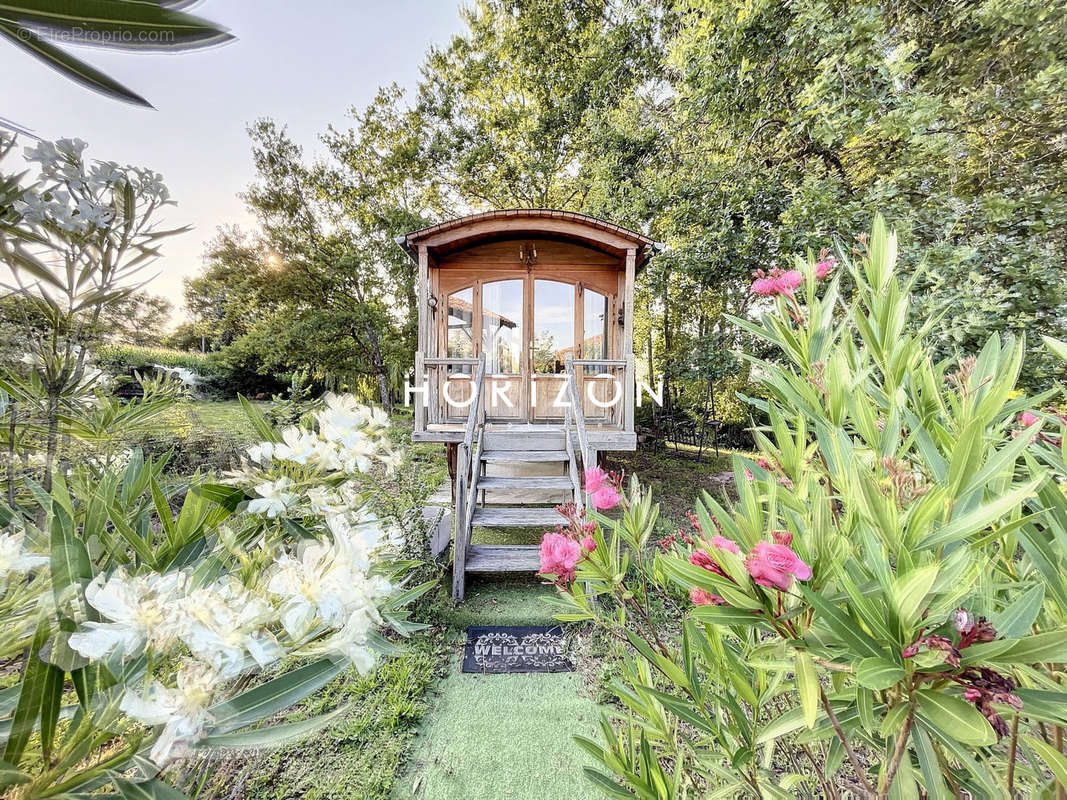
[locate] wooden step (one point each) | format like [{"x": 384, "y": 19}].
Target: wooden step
[
  {"x": 516, "y": 517},
  {"x": 520, "y": 482},
  {"x": 503, "y": 558},
  {"x": 524, "y": 455},
  {"x": 525, "y": 439}
]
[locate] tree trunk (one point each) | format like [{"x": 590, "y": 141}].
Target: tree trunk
[
  {"x": 667, "y": 403},
  {"x": 379, "y": 368}
]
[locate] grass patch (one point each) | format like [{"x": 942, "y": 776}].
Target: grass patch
[
  {"x": 503, "y": 736},
  {"x": 516, "y": 599},
  {"x": 677, "y": 478},
  {"x": 355, "y": 758}
]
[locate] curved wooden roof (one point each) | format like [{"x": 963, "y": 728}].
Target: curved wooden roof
[{"x": 462, "y": 232}]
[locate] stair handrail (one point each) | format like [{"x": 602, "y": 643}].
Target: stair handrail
[
  {"x": 579, "y": 415},
  {"x": 464, "y": 474},
  {"x": 472, "y": 492},
  {"x": 476, "y": 403}
]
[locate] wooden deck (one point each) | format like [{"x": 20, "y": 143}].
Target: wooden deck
[{"x": 601, "y": 437}]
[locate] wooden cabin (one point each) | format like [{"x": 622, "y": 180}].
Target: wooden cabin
[{"x": 525, "y": 365}]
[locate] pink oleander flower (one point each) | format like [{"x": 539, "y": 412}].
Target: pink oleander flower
[
  {"x": 701, "y": 559},
  {"x": 605, "y": 498},
  {"x": 775, "y": 565},
  {"x": 775, "y": 282},
  {"x": 588, "y": 544},
  {"x": 782, "y": 537},
  {"x": 825, "y": 264},
  {"x": 1026, "y": 419},
  {"x": 722, "y": 543},
  {"x": 700, "y": 597},
  {"x": 789, "y": 280},
  {"x": 559, "y": 556},
  {"x": 972, "y": 695},
  {"x": 963, "y": 620},
  {"x": 595, "y": 479}
]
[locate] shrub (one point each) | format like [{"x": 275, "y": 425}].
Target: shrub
[{"x": 882, "y": 611}]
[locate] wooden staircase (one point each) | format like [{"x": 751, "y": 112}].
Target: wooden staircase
[{"x": 535, "y": 452}]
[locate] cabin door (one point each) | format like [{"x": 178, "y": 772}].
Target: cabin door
[
  {"x": 526, "y": 327},
  {"x": 502, "y": 336}
]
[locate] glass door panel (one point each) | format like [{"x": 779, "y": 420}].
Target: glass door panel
[
  {"x": 454, "y": 387},
  {"x": 553, "y": 341},
  {"x": 501, "y": 339}
]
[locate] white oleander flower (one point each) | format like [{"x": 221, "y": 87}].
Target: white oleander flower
[
  {"x": 141, "y": 612},
  {"x": 14, "y": 560},
  {"x": 298, "y": 445},
  {"x": 350, "y": 642},
  {"x": 312, "y": 586},
  {"x": 273, "y": 498},
  {"x": 324, "y": 501},
  {"x": 224, "y": 625},
  {"x": 182, "y": 711},
  {"x": 261, "y": 453},
  {"x": 325, "y": 583}
]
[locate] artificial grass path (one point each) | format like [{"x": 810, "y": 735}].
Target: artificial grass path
[{"x": 498, "y": 737}]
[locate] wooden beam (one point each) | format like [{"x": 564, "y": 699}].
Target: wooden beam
[
  {"x": 628, "y": 340},
  {"x": 424, "y": 304}
]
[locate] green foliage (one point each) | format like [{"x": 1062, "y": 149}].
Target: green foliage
[
  {"x": 788, "y": 125},
  {"x": 122, "y": 25},
  {"x": 922, "y": 645},
  {"x": 125, "y": 358}
]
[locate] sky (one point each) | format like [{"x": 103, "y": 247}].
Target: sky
[{"x": 303, "y": 64}]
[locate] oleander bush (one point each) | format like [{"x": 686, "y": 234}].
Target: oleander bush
[{"x": 883, "y": 610}]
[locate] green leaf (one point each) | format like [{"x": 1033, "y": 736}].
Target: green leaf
[
  {"x": 1057, "y": 346},
  {"x": 1055, "y": 760},
  {"x": 74, "y": 68},
  {"x": 10, "y": 776},
  {"x": 1034, "y": 649},
  {"x": 51, "y": 700},
  {"x": 725, "y": 615},
  {"x": 149, "y": 790},
  {"x": 1016, "y": 619},
  {"x": 909, "y": 593},
  {"x": 840, "y": 623},
  {"x": 274, "y": 696},
  {"x": 259, "y": 422},
  {"x": 956, "y": 718},
  {"x": 879, "y": 673},
  {"x": 272, "y": 735},
  {"x": 969, "y": 523},
  {"x": 27, "y": 711},
  {"x": 807, "y": 687}
]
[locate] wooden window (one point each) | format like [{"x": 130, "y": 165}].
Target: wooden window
[
  {"x": 502, "y": 332},
  {"x": 553, "y": 331},
  {"x": 460, "y": 334}
]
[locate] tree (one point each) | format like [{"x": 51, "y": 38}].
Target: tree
[
  {"x": 137, "y": 319},
  {"x": 331, "y": 298},
  {"x": 74, "y": 240},
  {"x": 510, "y": 105},
  {"x": 127, "y": 25},
  {"x": 789, "y": 123}
]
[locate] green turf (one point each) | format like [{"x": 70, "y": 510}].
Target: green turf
[
  {"x": 501, "y": 600},
  {"x": 492, "y": 737}
]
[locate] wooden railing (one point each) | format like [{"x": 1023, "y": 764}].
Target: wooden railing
[
  {"x": 468, "y": 463},
  {"x": 432, "y": 407},
  {"x": 619, "y": 372},
  {"x": 575, "y": 408}
]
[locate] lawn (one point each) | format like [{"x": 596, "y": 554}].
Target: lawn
[{"x": 417, "y": 727}]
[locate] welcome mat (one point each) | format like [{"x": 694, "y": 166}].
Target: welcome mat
[{"x": 523, "y": 648}]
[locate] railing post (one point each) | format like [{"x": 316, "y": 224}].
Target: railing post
[{"x": 420, "y": 397}]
